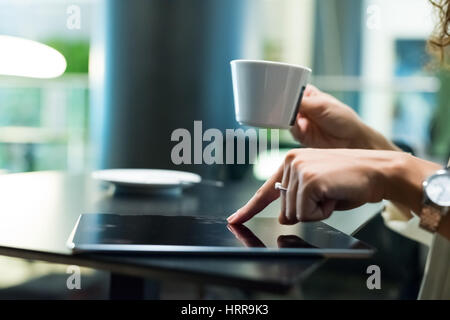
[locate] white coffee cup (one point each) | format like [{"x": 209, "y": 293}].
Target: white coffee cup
[{"x": 267, "y": 94}]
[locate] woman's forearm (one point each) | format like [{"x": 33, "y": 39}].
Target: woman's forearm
[
  {"x": 372, "y": 139},
  {"x": 404, "y": 178}
]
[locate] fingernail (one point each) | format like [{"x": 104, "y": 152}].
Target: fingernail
[{"x": 230, "y": 218}]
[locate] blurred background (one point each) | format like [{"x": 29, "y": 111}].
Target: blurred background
[
  {"x": 367, "y": 53},
  {"x": 137, "y": 70}
]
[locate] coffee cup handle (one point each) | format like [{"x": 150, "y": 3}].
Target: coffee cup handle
[{"x": 297, "y": 107}]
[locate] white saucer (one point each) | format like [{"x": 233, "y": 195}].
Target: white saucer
[{"x": 147, "y": 180}]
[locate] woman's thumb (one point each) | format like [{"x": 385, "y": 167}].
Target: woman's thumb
[{"x": 312, "y": 106}]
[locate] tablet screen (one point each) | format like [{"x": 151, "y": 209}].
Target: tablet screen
[{"x": 106, "y": 232}]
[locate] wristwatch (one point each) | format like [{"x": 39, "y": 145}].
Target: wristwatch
[{"x": 436, "y": 199}]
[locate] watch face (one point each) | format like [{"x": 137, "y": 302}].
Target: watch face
[{"x": 438, "y": 188}]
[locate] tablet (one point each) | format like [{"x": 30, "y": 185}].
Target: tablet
[{"x": 200, "y": 235}]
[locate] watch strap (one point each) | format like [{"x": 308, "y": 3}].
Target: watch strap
[{"x": 430, "y": 218}]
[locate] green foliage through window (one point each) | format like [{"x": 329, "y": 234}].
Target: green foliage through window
[{"x": 76, "y": 53}]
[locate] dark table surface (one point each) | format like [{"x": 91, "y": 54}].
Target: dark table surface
[{"x": 38, "y": 211}]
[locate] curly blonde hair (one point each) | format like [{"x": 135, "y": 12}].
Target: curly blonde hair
[{"x": 439, "y": 42}]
